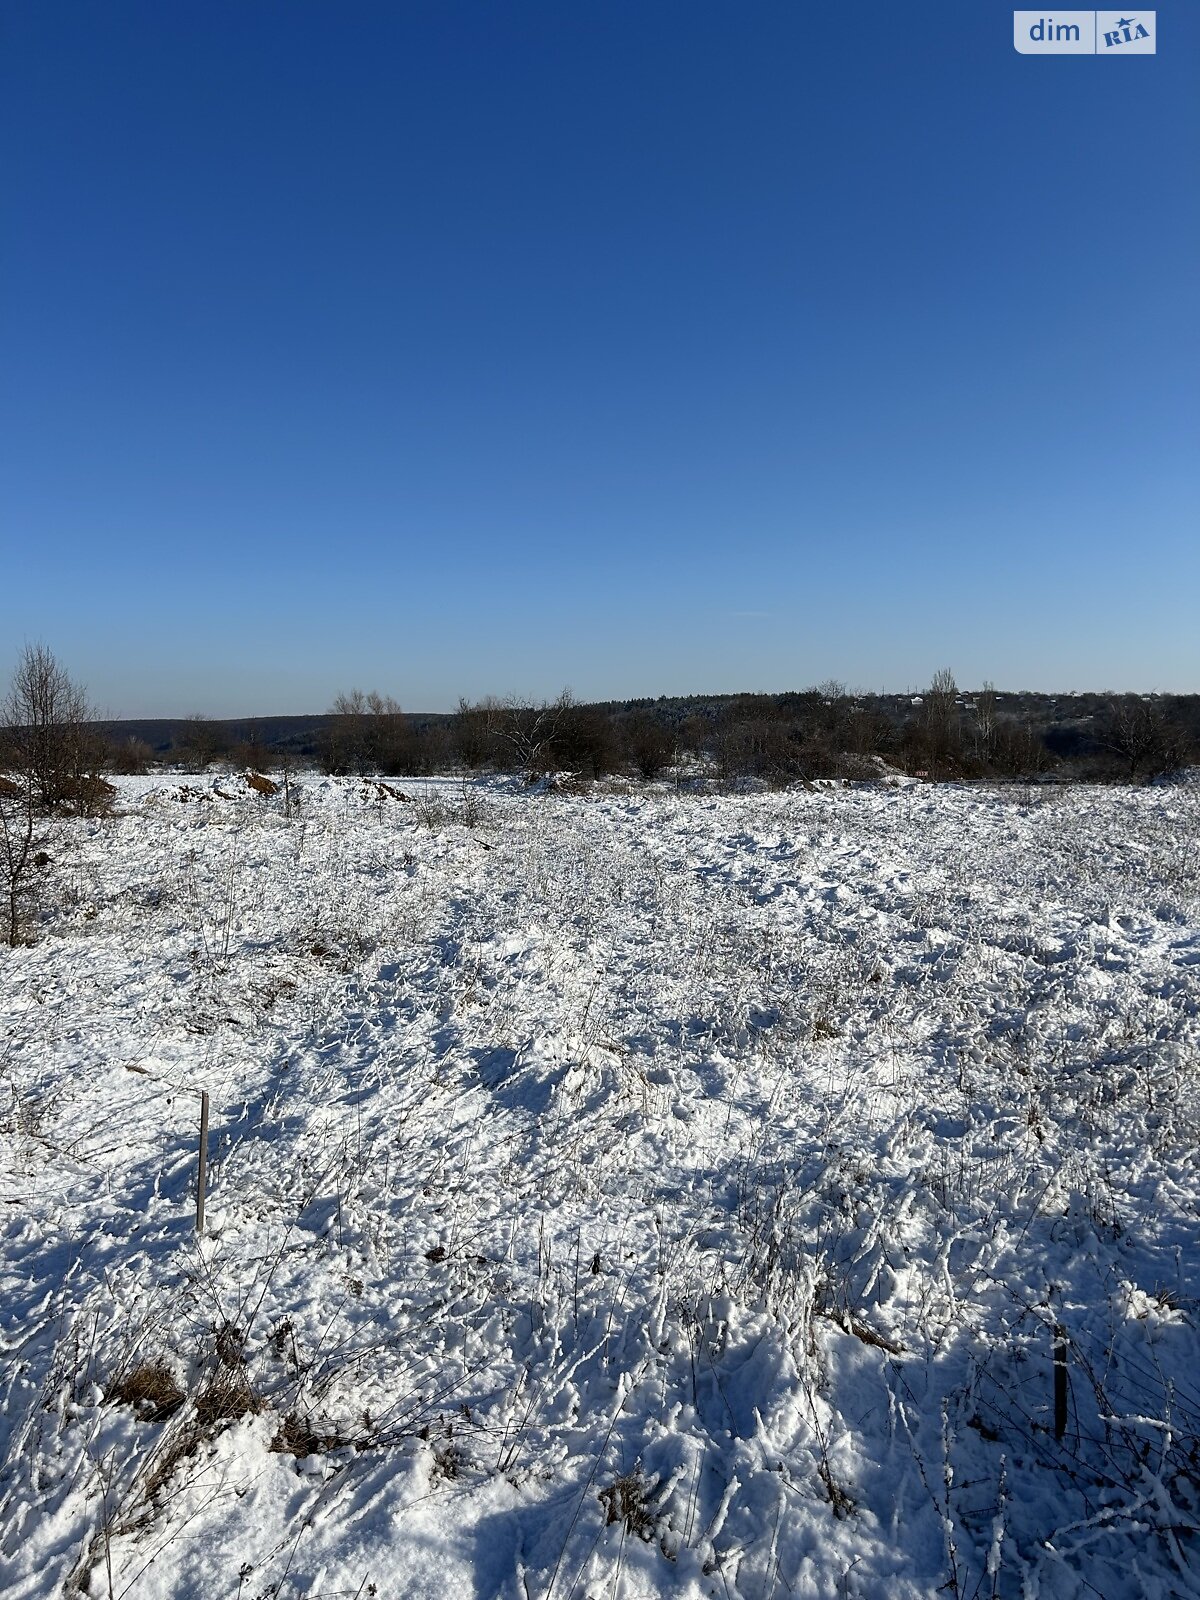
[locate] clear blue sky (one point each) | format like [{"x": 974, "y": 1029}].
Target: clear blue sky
[{"x": 641, "y": 347}]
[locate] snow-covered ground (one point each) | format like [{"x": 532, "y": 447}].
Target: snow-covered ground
[{"x": 633, "y": 1194}]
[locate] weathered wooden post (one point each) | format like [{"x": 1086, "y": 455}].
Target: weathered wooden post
[
  {"x": 202, "y": 1169},
  {"x": 1060, "y": 1380}
]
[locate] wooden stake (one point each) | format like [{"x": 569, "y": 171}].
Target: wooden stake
[
  {"x": 202, "y": 1170},
  {"x": 1060, "y": 1380}
]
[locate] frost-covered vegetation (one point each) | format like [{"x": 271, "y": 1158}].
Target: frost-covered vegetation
[{"x": 630, "y": 1194}]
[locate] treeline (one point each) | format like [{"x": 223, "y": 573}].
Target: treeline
[
  {"x": 823, "y": 732},
  {"x": 828, "y": 732},
  {"x": 943, "y": 732}
]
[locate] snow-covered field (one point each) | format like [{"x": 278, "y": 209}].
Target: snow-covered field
[{"x": 632, "y": 1194}]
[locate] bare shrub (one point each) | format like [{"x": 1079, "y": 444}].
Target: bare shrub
[
  {"x": 585, "y": 743},
  {"x": 650, "y": 743},
  {"x": 473, "y": 734},
  {"x": 199, "y": 743},
  {"x": 286, "y": 767},
  {"x": 1018, "y": 752},
  {"x": 756, "y": 746},
  {"x": 1138, "y": 731},
  {"x": 435, "y": 808},
  {"x": 130, "y": 755},
  {"x": 429, "y": 748},
  {"x": 250, "y": 748}
]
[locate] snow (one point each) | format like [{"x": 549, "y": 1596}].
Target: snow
[{"x": 631, "y": 1194}]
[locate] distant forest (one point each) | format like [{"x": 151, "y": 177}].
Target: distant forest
[{"x": 944, "y": 732}]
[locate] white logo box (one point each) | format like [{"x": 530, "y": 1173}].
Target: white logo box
[{"x": 1085, "y": 33}]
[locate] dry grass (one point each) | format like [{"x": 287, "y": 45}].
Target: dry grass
[
  {"x": 150, "y": 1388},
  {"x": 296, "y": 1436},
  {"x": 225, "y": 1397},
  {"x": 626, "y": 1500}
]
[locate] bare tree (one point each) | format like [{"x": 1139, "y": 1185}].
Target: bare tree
[
  {"x": 50, "y": 759},
  {"x": 940, "y": 698},
  {"x": 528, "y": 731},
  {"x": 832, "y": 710},
  {"x": 46, "y": 733},
  {"x": 342, "y": 740},
  {"x": 18, "y": 848},
  {"x": 386, "y": 733},
  {"x": 940, "y": 715},
  {"x": 985, "y": 719},
  {"x": 367, "y": 732}
]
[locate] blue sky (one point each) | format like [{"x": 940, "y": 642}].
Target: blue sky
[{"x": 641, "y": 347}]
